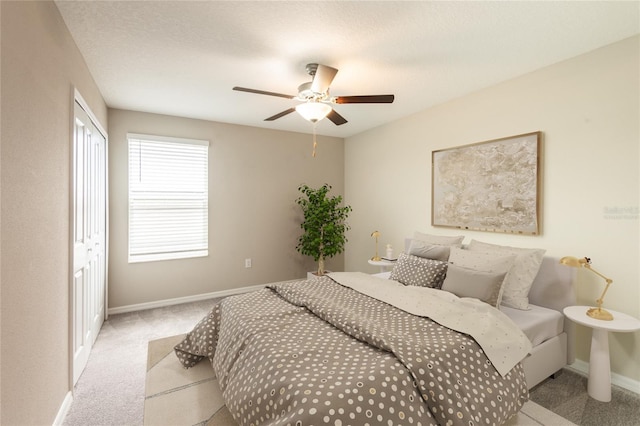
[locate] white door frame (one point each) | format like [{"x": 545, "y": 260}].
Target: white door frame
[{"x": 76, "y": 97}]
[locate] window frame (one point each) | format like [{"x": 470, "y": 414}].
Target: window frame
[{"x": 140, "y": 196}]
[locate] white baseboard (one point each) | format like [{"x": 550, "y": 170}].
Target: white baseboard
[
  {"x": 582, "y": 367},
  {"x": 180, "y": 300},
  {"x": 64, "y": 409}
]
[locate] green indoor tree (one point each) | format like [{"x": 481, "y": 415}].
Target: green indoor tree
[{"x": 324, "y": 224}]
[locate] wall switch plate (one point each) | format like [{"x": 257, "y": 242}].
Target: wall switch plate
[{"x": 247, "y": 263}]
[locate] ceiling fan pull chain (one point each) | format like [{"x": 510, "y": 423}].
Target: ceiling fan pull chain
[{"x": 315, "y": 143}]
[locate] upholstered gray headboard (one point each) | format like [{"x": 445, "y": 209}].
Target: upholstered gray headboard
[{"x": 553, "y": 287}]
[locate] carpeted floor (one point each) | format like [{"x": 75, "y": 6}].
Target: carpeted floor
[
  {"x": 567, "y": 396},
  {"x": 118, "y": 360}
]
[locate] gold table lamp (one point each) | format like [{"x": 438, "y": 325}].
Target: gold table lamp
[
  {"x": 376, "y": 234},
  {"x": 585, "y": 262}
]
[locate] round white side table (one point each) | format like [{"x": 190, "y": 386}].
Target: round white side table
[
  {"x": 599, "y": 386},
  {"x": 383, "y": 264}
]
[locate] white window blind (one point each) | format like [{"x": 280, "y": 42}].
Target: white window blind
[{"x": 168, "y": 198}]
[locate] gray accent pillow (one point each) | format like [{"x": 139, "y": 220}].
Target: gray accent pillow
[
  {"x": 439, "y": 239},
  {"x": 483, "y": 262},
  {"x": 464, "y": 282},
  {"x": 428, "y": 251},
  {"x": 418, "y": 271}
]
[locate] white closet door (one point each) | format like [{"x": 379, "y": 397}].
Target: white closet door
[{"x": 89, "y": 237}]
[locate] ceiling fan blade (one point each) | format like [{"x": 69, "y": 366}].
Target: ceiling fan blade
[
  {"x": 262, "y": 92},
  {"x": 280, "y": 114},
  {"x": 323, "y": 78},
  {"x": 366, "y": 99},
  {"x": 336, "y": 118}
]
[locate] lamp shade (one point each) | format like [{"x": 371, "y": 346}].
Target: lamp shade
[
  {"x": 572, "y": 261},
  {"x": 313, "y": 111}
]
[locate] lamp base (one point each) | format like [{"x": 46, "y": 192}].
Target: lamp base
[
  {"x": 376, "y": 258},
  {"x": 600, "y": 314}
]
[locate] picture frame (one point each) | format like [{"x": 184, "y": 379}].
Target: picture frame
[{"x": 491, "y": 186}]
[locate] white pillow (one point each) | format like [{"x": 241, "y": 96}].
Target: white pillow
[
  {"x": 515, "y": 293},
  {"x": 483, "y": 262},
  {"x": 439, "y": 239}
]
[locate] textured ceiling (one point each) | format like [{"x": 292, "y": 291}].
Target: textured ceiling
[{"x": 183, "y": 57}]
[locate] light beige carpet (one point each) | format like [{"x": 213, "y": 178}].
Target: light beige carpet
[{"x": 175, "y": 396}]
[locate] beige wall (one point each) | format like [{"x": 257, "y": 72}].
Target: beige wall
[
  {"x": 587, "y": 108},
  {"x": 40, "y": 66},
  {"x": 253, "y": 179}
]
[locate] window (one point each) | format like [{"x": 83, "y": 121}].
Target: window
[{"x": 168, "y": 198}]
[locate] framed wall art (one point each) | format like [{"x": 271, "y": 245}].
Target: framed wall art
[{"x": 488, "y": 186}]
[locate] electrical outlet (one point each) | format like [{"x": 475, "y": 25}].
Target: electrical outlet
[{"x": 247, "y": 263}]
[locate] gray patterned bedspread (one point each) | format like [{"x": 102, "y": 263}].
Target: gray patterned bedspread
[{"x": 314, "y": 352}]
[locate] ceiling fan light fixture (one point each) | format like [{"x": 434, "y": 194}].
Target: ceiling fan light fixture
[{"x": 313, "y": 111}]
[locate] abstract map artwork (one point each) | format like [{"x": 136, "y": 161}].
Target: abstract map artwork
[{"x": 488, "y": 186}]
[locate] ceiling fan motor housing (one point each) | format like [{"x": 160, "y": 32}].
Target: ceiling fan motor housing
[
  {"x": 311, "y": 69},
  {"x": 306, "y": 94}
]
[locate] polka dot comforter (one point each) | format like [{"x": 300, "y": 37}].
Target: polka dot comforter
[{"x": 314, "y": 352}]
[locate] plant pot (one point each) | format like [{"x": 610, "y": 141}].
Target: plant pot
[{"x": 314, "y": 274}]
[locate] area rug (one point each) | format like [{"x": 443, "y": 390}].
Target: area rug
[{"x": 175, "y": 396}]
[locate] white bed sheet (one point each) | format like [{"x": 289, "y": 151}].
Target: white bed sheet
[{"x": 539, "y": 324}]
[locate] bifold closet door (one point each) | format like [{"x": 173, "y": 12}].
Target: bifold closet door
[{"x": 89, "y": 237}]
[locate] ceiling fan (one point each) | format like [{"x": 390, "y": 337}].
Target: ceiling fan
[{"x": 316, "y": 97}]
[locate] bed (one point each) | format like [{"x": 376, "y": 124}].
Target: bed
[
  {"x": 353, "y": 348},
  {"x": 552, "y": 334}
]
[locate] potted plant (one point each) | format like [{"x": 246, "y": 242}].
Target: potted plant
[{"x": 324, "y": 224}]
